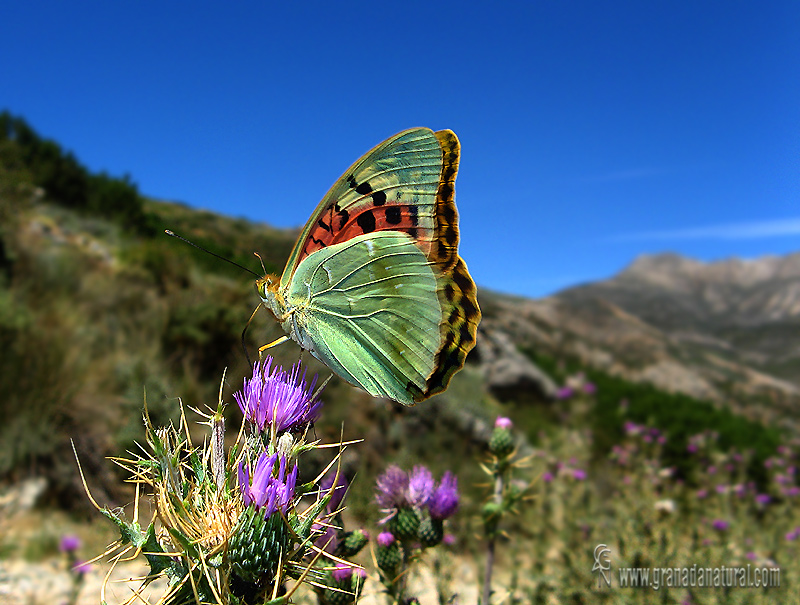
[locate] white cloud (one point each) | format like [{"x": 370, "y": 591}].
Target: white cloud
[{"x": 730, "y": 231}]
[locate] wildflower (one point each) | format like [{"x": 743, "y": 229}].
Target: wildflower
[
  {"x": 391, "y": 488},
  {"x": 275, "y": 397},
  {"x": 589, "y": 388},
  {"x": 631, "y": 428},
  {"x": 692, "y": 448},
  {"x": 501, "y": 443},
  {"x": 503, "y": 423},
  {"x": 263, "y": 490},
  {"x": 444, "y": 501},
  {"x": 337, "y": 491},
  {"x": 547, "y": 476},
  {"x": 345, "y": 572},
  {"x": 578, "y": 474},
  {"x": 701, "y": 494},
  {"x": 763, "y": 499},
  {"x": 793, "y": 535},
  {"x": 420, "y": 486},
  {"x": 792, "y": 492},
  {"x": 564, "y": 393},
  {"x": 720, "y": 525},
  {"x": 82, "y": 568},
  {"x": 327, "y": 539},
  {"x": 390, "y": 553},
  {"x": 712, "y": 470},
  {"x": 449, "y": 540},
  {"x": 69, "y": 543}
]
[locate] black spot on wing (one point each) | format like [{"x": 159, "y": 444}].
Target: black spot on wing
[
  {"x": 394, "y": 215},
  {"x": 344, "y": 216},
  {"x": 470, "y": 310},
  {"x": 324, "y": 225},
  {"x": 413, "y": 214},
  {"x": 379, "y": 198},
  {"x": 366, "y": 220},
  {"x": 364, "y": 189},
  {"x": 463, "y": 281}
]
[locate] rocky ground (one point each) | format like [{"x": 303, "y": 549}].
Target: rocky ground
[{"x": 50, "y": 583}]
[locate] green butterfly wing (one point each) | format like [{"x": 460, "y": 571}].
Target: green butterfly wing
[{"x": 369, "y": 310}]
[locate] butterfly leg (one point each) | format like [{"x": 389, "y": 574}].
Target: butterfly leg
[{"x": 274, "y": 343}]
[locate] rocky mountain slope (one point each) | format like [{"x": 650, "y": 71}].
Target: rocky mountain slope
[{"x": 727, "y": 331}]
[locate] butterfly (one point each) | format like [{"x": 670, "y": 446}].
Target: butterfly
[{"x": 374, "y": 286}]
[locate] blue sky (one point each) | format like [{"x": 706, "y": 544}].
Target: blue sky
[{"x": 591, "y": 132}]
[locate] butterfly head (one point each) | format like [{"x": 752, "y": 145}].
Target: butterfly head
[{"x": 267, "y": 288}]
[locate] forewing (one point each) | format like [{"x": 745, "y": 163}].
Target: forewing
[
  {"x": 369, "y": 306},
  {"x": 394, "y": 187}
]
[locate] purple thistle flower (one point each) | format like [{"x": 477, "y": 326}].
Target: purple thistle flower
[
  {"x": 339, "y": 489},
  {"x": 792, "y": 492},
  {"x": 342, "y": 572},
  {"x": 420, "y": 486},
  {"x": 82, "y": 568},
  {"x": 385, "y": 538},
  {"x": 793, "y": 535},
  {"x": 589, "y": 388},
  {"x": 503, "y": 423},
  {"x": 449, "y": 540},
  {"x": 692, "y": 448},
  {"x": 564, "y": 393},
  {"x": 750, "y": 555},
  {"x": 547, "y": 476},
  {"x": 327, "y": 540},
  {"x": 578, "y": 474},
  {"x": 276, "y": 397},
  {"x": 444, "y": 501},
  {"x": 391, "y": 488},
  {"x": 763, "y": 499},
  {"x": 701, "y": 494},
  {"x": 264, "y": 491},
  {"x": 720, "y": 524},
  {"x": 69, "y": 543}
]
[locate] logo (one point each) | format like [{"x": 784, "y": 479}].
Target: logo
[{"x": 602, "y": 563}]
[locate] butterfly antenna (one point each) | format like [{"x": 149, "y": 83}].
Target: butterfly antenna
[
  {"x": 262, "y": 262},
  {"x": 227, "y": 260}
]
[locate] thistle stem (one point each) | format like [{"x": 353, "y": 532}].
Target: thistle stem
[{"x": 490, "y": 546}]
